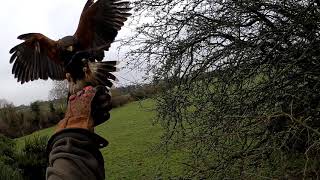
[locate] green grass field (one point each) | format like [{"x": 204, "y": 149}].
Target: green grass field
[{"x": 132, "y": 152}]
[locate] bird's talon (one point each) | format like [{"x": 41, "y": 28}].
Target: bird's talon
[{"x": 68, "y": 76}]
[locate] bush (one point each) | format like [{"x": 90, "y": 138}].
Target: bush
[
  {"x": 143, "y": 92},
  {"x": 9, "y": 173},
  {"x": 13, "y": 120},
  {"x": 30, "y": 163},
  {"x": 22, "y": 120},
  {"x": 33, "y": 160},
  {"x": 8, "y": 170},
  {"x": 6, "y": 150},
  {"x": 121, "y": 100}
]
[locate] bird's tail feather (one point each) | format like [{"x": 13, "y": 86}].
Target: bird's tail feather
[{"x": 101, "y": 72}]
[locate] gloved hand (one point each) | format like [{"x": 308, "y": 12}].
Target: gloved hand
[{"x": 87, "y": 109}]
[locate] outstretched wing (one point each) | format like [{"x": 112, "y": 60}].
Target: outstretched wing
[
  {"x": 100, "y": 22},
  {"x": 37, "y": 57}
]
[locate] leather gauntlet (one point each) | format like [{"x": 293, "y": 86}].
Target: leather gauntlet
[{"x": 86, "y": 109}]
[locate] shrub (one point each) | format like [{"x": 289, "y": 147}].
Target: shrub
[
  {"x": 35, "y": 107},
  {"x": 8, "y": 170},
  {"x": 30, "y": 163},
  {"x": 6, "y": 149},
  {"x": 11, "y": 119},
  {"x": 9, "y": 173},
  {"x": 143, "y": 92},
  {"x": 32, "y": 160},
  {"x": 19, "y": 121},
  {"x": 121, "y": 100}
]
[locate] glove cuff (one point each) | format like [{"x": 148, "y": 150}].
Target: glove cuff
[{"x": 78, "y": 133}]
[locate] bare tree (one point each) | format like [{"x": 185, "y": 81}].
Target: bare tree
[
  {"x": 59, "y": 90},
  {"x": 240, "y": 83},
  {"x": 4, "y": 103}
]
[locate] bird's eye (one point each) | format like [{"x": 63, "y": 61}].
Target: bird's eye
[{"x": 70, "y": 48}]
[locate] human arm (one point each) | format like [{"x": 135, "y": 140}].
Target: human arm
[{"x": 74, "y": 148}]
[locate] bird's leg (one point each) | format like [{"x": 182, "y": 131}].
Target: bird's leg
[
  {"x": 87, "y": 72},
  {"x": 68, "y": 77},
  {"x": 71, "y": 84}
]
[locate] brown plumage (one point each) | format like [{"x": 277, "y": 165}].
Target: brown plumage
[{"x": 39, "y": 57}]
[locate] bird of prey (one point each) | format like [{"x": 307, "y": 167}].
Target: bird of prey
[{"x": 77, "y": 58}]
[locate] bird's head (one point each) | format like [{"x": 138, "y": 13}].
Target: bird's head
[{"x": 67, "y": 43}]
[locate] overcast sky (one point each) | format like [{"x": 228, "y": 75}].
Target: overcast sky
[{"x": 53, "y": 18}]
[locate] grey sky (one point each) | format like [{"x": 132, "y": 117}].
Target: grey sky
[{"x": 53, "y": 18}]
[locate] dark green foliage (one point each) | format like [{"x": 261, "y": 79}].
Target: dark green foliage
[
  {"x": 33, "y": 160},
  {"x": 9, "y": 173},
  {"x": 51, "y": 107},
  {"x": 8, "y": 170},
  {"x": 23, "y": 120},
  {"x": 240, "y": 87},
  {"x": 143, "y": 91},
  {"x": 30, "y": 162},
  {"x": 124, "y": 95},
  {"x": 6, "y": 150},
  {"x": 35, "y": 107},
  {"x": 10, "y": 121}
]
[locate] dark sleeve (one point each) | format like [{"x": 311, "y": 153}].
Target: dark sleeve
[{"x": 74, "y": 155}]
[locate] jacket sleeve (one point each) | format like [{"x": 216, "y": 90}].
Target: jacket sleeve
[{"x": 74, "y": 155}]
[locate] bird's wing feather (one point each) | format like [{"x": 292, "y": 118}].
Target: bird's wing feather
[
  {"x": 100, "y": 22},
  {"x": 36, "y": 57}
]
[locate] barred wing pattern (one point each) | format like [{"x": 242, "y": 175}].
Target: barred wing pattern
[
  {"x": 100, "y": 22},
  {"x": 36, "y": 58}
]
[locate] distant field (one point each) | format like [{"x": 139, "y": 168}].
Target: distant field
[{"x": 133, "y": 140}]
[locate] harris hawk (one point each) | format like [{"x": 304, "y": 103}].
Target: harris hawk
[{"x": 77, "y": 58}]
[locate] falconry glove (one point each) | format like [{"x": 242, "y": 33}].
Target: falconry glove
[
  {"x": 87, "y": 109},
  {"x": 73, "y": 150}
]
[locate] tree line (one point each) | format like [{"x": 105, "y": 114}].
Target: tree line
[{"x": 23, "y": 120}]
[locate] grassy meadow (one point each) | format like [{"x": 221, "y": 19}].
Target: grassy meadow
[{"x": 133, "y": 150}]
